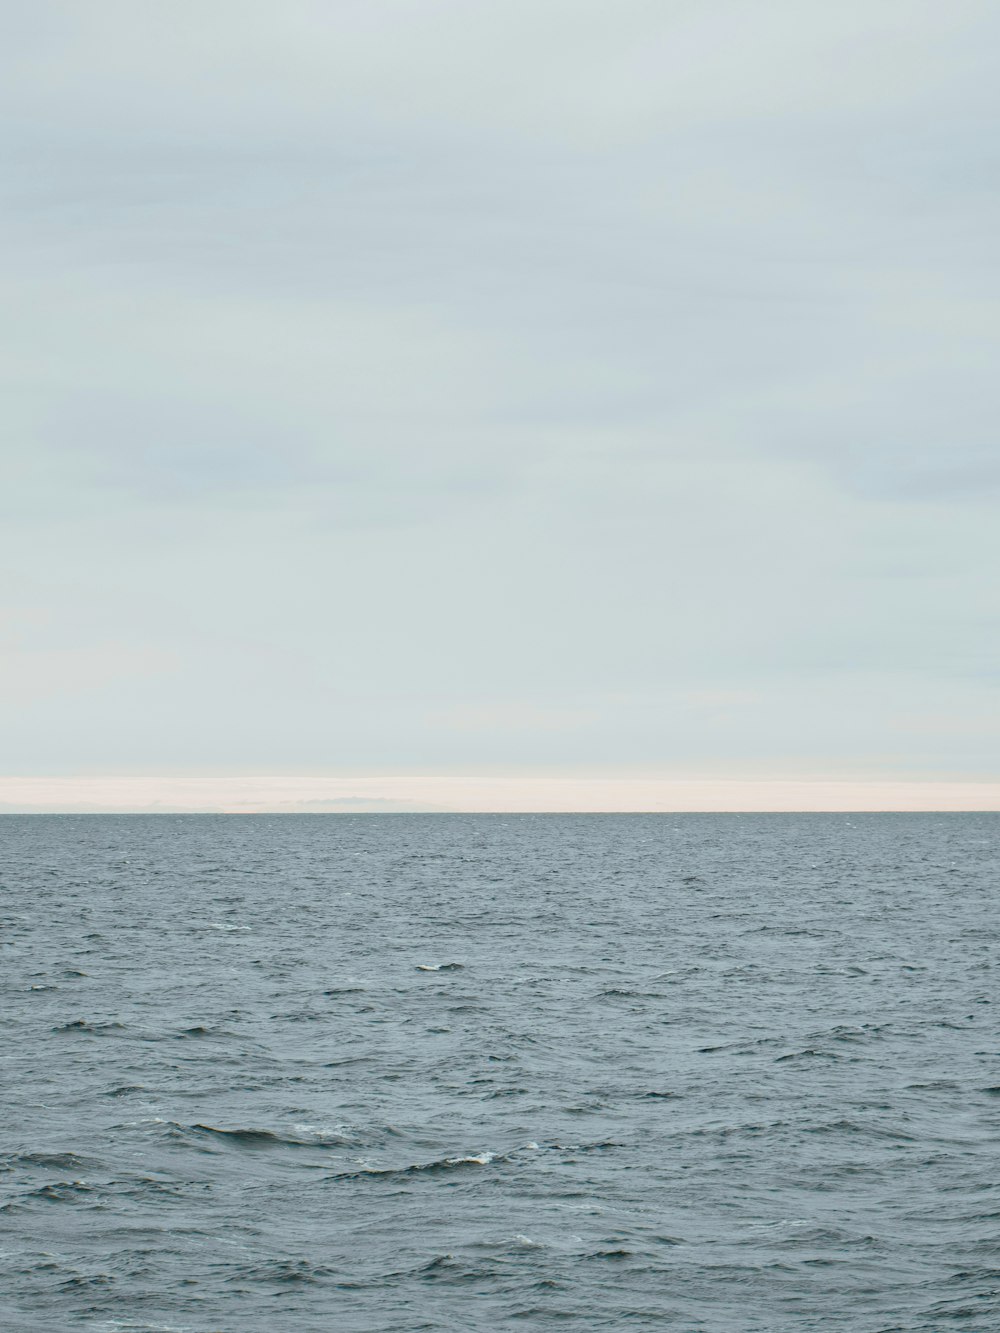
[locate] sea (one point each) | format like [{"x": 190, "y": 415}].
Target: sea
[{"x": 356, "y": 1073}]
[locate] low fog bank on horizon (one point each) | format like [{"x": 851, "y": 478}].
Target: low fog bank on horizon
[
  {"x": 438, "y": 388},
  {"x": 485, "y": 795}
]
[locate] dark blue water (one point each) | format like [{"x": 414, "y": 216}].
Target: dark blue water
[{"x": 298, "y": 1074}]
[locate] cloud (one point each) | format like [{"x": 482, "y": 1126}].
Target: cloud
[{"x": 462, "y": 385}]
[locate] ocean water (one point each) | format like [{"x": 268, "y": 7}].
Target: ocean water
[{"x": 295, "y": 1074}]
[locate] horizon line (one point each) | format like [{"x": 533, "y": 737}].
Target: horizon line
[{"x": 160, "y": 812}]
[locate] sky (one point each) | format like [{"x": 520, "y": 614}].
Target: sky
[{"x": 547, "y": 391}]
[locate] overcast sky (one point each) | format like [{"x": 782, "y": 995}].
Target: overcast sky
[{"x": 521, "y": 386}]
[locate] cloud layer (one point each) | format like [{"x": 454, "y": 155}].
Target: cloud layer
[{"x": 442, "y": 387}]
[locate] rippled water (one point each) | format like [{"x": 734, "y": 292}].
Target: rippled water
[{"x": 289, "y": 1074}]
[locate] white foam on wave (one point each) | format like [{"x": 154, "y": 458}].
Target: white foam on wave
[
  {"x": 128, "y": 1326},
  {"x": 325, "y": 1131}
]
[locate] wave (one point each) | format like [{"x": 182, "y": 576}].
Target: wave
[
  {"x": 200, "y": 1030},
  {"x": 282, "y": 1272},
  {"x": 856, "y": 1127},
  {"x": 623, "y": 993},
  {"x": 438, "y": 1166},
  {"x": 57, "y": 1161},
  {"x": 807, "y": 1053},
  {"x": 264, "y": 1138},
  {"x": 95, "y": 1029},
  {"x": 62, "y": 1191},
  {"x": 842, "y": 1034}
]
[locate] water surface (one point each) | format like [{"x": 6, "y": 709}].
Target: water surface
[{"x": 295, "y": 1074}]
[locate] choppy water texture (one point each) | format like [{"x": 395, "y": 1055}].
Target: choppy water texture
[{"x": 293, "y": 1074}]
